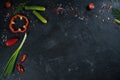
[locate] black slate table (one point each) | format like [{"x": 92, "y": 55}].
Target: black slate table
[{"x": 75, "y": 44}]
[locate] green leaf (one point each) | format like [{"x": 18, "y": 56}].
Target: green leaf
[
  {"x": 116, "y": 13},
  {"x": 20, "y": 7}
]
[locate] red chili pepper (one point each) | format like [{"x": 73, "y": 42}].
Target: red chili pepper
[
  {"x": 23, "y": 58},
  {"x": 91, "y": 6},
  {"x": 12, "y": 22},
  {"x": 20, "y": 68},
  {"x": 11, "y": 42}
]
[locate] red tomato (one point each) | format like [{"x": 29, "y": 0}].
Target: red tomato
[
  {"x": 11, "y": 42},
  {"x": 91, "y": 6},
  {"x": 20, "y": 68},
  {"x": 23, "y": 58},
  {"x": 8, "y": 4}
]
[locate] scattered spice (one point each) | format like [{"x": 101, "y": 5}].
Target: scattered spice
[
  {"x": 8, "y": 4},
  {"x": 109, "y": 7},
  {"x": 20, "y": 29},
  {"x": 59, "y": 10},
  {"x": 11, "y": 41},
  {"x": 108, "y": 18},
  {"x": 96, "y": 16}
]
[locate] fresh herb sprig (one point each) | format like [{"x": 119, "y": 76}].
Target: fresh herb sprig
[{"x": 20, "y": 7}]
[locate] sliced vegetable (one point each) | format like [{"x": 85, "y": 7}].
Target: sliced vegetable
[
  {"x": 117, "y": 21},
  {"x": 23, "y": 58},
  {"x": 20, "y": 68},
  {"x": 10, "y": 64},
  {"x": 39, "y": 8},
  {"x": 20, "y": 29},
  {"x": 39, "y": 16},
  {"x": 8, "y": 4},
  {"x": 11, "y": 41}
]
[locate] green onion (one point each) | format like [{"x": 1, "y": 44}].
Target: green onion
[
  {"x": 39, "y": 8},
  {"x": 39, "y": 16},
  {"x": 10, "y": 64}
]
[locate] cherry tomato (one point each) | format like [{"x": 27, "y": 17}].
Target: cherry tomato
[
  {"x": 91, "y": 6},
  {"x": 8, "y": 4}
]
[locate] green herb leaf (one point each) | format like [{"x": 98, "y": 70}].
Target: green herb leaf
[
  {"x": 20, "y": 7},
  {"x": 116, "y": 13}
]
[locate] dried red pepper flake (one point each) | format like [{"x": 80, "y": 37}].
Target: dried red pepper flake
[
  {"x": 19, "y": 30},
  {"x": 23, "y": 58},
  {"x": 20, "y": 68},
  {"x": 11, "y": 41}
]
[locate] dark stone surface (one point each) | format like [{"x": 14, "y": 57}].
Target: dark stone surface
[{"x": 67, "y": 47}]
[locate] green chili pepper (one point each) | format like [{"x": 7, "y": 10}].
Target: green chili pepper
[
  {"x": 39, "y": 16},
  {"x": 10, "y": 64},
  {"x": 39, "y": 8}
]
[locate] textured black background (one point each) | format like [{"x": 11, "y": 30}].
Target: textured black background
[{"x": 66, "y": 48}]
